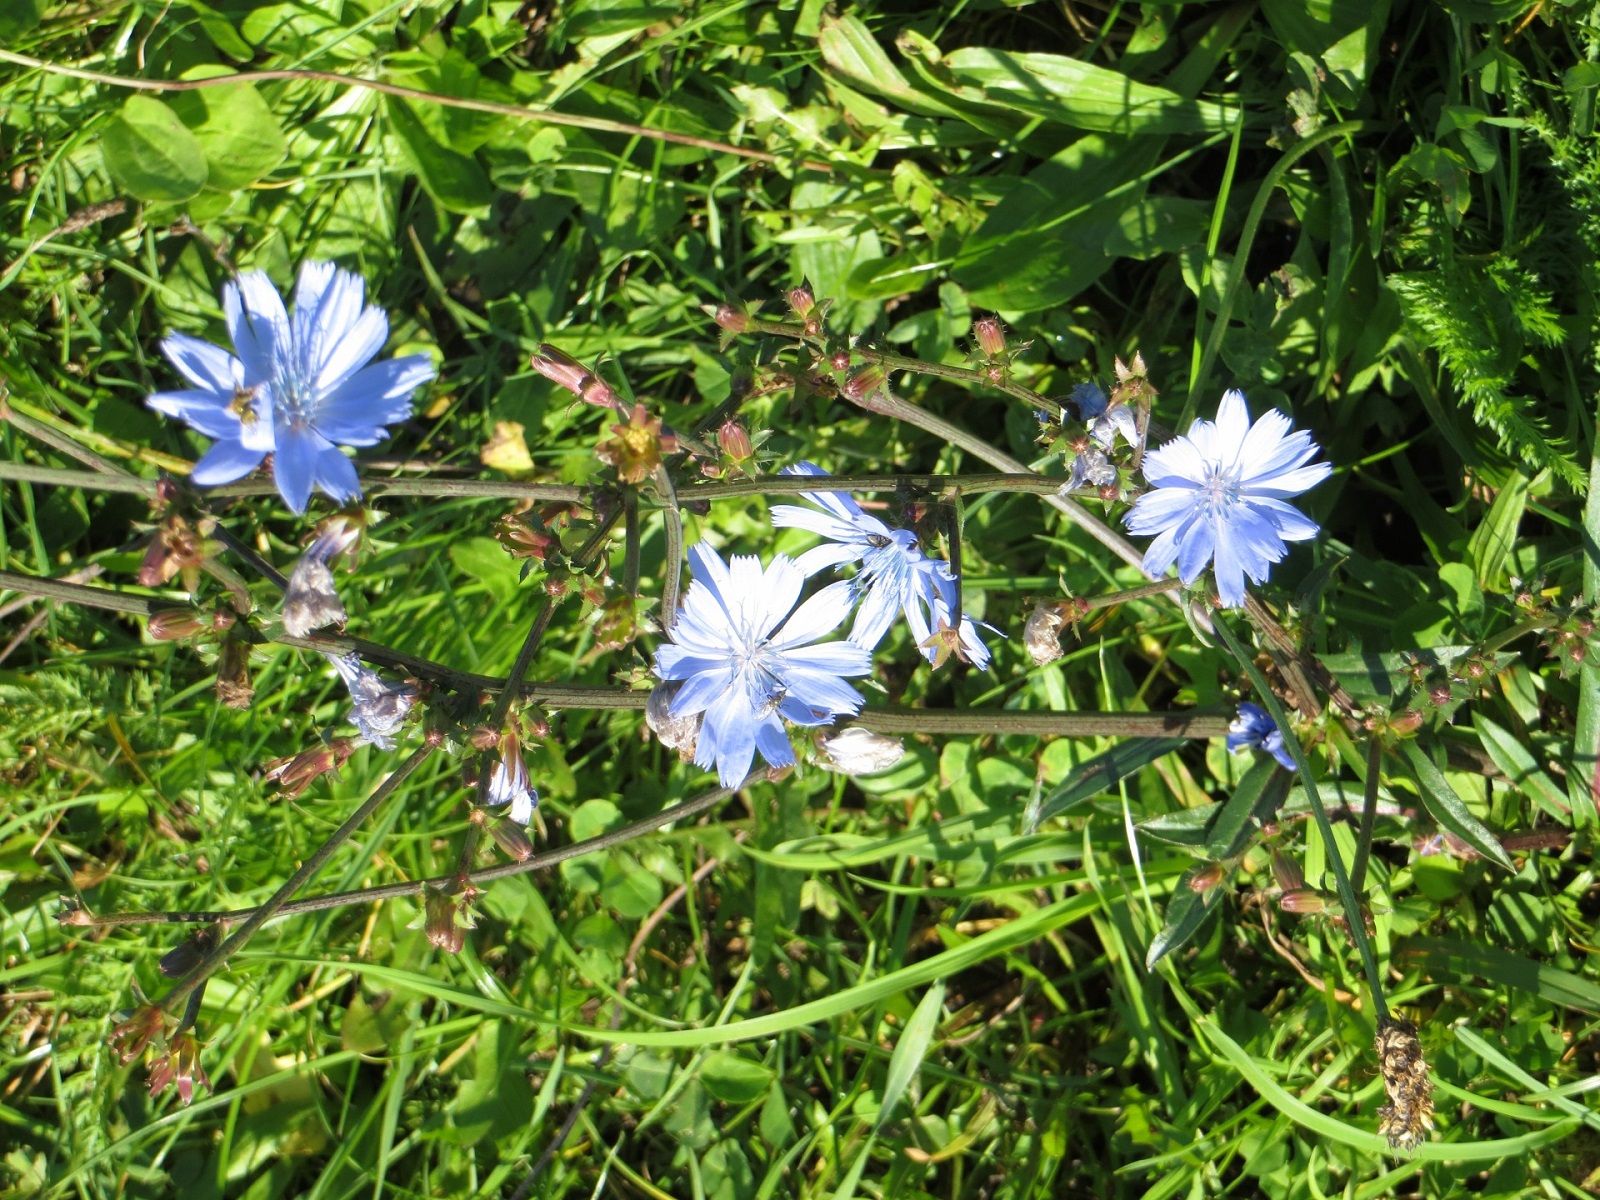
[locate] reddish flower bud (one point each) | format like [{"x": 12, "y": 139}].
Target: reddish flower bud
[
  {"x": 297, "y": 772},
  {"x": 801, "y": 301},
  {"x": 734, "y": 441},
  {"x": 839, "y": 360},
  {"x": 178, "y": 1068},
  {"x": 733, "y": 319},
  {"x": 1406, "y": 723},
  {"x": 565, "y": 371},
  {"x": 1203, "y": 879},
  {"x": 511, "y": 838},
  {"x": 1439, "y": 694},
  {"x": 991, "y": 336},
  {"x": 864, "y": 383},
  {"x": 178, "y": 624},
  {"x": 1304, "y": 901}
]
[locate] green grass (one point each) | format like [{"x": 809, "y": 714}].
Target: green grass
[{"x": 1384, "y": 219}]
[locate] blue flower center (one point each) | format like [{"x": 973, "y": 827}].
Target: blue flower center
[{"x": 1219, "y": 490}]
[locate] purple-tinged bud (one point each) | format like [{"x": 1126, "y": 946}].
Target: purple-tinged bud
[
  {"x": 445, "y": 923},
  {"x": 562, "y": 369},
  {"x": 675, "y": 733},
  {"x": 1406, "y": 723},
  {"x": 234, "y": 688},
  {"x": 1440, "y": 694},
  {"x": 186, "y": 955},
  {"x": 991, "y": 336},
  {"x": 511, "y": 838},
  {"x": 732, "y": 318},
  {"x": 801, "y": 301},
  {"x": 839, "y": 360},
  {"x": 734, "y": 441},
  {"x": 1303, "y": 901},
  {"x": 297, "y": 772},
  {"x": 865, "y": 383},
  {"x": 179, "y": 624},
  {"x": 1203, "y": 879},
  {"x": 857, "y": 751},
  {"x": 522, "y": 540},
  {"x": 178, "y": 1068},
  {"x": 1286, "y": 873}
]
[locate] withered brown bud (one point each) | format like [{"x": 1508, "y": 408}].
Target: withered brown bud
[
  {"x": 186, "y": 955},
  {"x": 991, "y": 336},
  {"x": 130, "y": 1038},
  {"x": 234, "y": 688},
  {"x": 440, "y": 923},
  {"x": 1304, "y": 901}
]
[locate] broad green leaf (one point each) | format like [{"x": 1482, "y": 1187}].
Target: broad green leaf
[
  {"x": 235, "y": 128},
  {"x": 1520, "y": 767},
  {"x": 627, "y": 887},
  {"x": 1460, "y": 960},
  {"x": 455, "y": 180},
  {"x": 1445, "y": 807},
  {"x": 1496, "y": 535},
  {"x": 733, "y": 1078},
  {"x": 1186, "y": 914},
  {"x": 1082, "y": 95},
  {"x": 911, "y": 1048},
  {"x": 151, "y": 154},
  {"x": 1102, "y": 772}
]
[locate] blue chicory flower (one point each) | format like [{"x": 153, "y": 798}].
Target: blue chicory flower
[
  {"x": 745, "y": 658},
  {"x": 297, "y": 386},
  {"x": 1255, "y": 728},
  {"x": 895, "y": 577},
  {"x": 1218, "y": 495}
]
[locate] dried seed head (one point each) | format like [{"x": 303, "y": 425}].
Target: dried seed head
[
  {"x": 1042, "y": 633},
  {"x": 1408, "y": 1117}
]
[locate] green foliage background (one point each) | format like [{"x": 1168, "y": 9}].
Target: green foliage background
[{"x": 1382, "y": 217}]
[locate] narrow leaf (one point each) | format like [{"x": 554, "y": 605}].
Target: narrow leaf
[
  {"x": 1102, "y": 772},
  {"x": 912, "y": 1047},
  {"x": 1445, "y": 807}
]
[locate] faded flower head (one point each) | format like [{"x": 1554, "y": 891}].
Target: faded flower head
[
  {"x": 1041, "y": 636},
  {"x": 747, "y": 659},
  {"x": 1219, "y": 495},
  {"x": 178, "y": 1067},
  {"x": 1255, "y": 729},
  {"x": 896, "y": 576},
  {"x": 295, "y": 773},
  {"x": 1408, "y": 1117},
  {"x": 379, "y": 707},
  {"x": 858, "y": 751},
  {"x": 311, "y": 601},
  {"x": 637, "y": 445},
  {"x": 298, "y": 385}
]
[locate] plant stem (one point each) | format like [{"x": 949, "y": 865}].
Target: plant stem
[
  {"x": 538, "y": 862},
  {"x": 260, "y": 915},
  {"x": 1369, "y": 814},
  {"x": 1354, "y": 913}
]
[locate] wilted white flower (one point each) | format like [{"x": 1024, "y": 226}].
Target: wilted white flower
[
  {"x": 675, "y": 733},
  {"x": 858, "y": 751},
  {"x": 1042, "y": 634},
  {"x": 311, "y": 602},
  {"x": 380, "y": 707}
]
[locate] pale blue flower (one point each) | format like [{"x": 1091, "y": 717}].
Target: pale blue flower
[
  {"x": 378, "y": 707},
  {"x": 895, "y": 577},
  {"x": 745, "y": 659},
  {"x": 297, "y": 386},
  {"x": 1255, "y": 728},
  {"x": 508, "y": 782},
  {"x": 1218, "y": 495}
]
